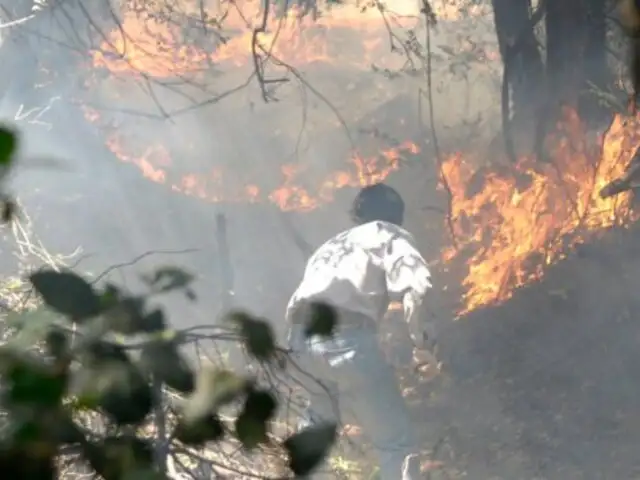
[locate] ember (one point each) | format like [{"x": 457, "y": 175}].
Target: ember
[{"x": 509, "y": 229}]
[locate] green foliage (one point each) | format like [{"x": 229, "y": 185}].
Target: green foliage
[
  {"x": 8, "y": 145},
  {"x": 309, "y": 447},
  {"x": 67, "y": 293},
  {"x": 101, "y": 350},
  {"x": 257, "y": 336}
]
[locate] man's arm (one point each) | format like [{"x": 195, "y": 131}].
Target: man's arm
[
  {"x": 408, "y": 275},
  {"x": 421, "y": 331}
]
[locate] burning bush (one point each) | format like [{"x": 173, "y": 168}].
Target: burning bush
[{"x": 513, "y": 221}]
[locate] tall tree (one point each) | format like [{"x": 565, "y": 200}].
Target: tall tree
[
  {"x": 566, "y": 41},
  {"x": 575, "y": 47},
  {"x": 519, "y": 50}
]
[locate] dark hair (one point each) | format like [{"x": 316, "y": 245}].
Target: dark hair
[{"x": 378, "y": 202}]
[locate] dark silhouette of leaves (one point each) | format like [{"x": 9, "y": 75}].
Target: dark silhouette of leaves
[
  {"x": 260, "y": 404},
  {"x": 21, "y": 463},
  {"x": 250, "y": 431},
  {"x": 114, "y": 456},
  {"x": 117, "y": 388},
  {"x": 251, "y": 424},
  {"x": 147, "y": 473},
  {"x": 162, "y": 360},
  {"x": 67, "y": 293},
  {"x": 257, "y": 336},
  {"x": 30, "y": 381},
  {"x": 214, "y": 388},
  {"x": 209, "y": 429},
  {"x": 49, "y": 372},
  {"x": 308, "y": 448},
  {"x": 57, "y": 343},
  {"x": 9, "y": 209},
  {"x": 165, "y": 279},
  {"x": 323, "y": 320},
  {"x": 8, "y": 145},
  {"x": 127, "y": 315}
]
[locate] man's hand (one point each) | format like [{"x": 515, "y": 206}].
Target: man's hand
[{"x": 425, "y": 351}]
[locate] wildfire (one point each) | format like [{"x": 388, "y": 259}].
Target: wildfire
[
  {"x": 216, "y": 186},
  {"x": 523, "y": 218},
  {"x": 159, "y": 44},
  {"x": 509, "y": 223}
]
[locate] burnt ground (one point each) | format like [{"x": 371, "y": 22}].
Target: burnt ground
[{"x": 546, "y": 386}]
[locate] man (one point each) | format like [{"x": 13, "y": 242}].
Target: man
[{"x": 359, "y": 272}]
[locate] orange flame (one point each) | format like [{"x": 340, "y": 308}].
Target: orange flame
[
  {"x": 215, "y": 186},
  {"x": 524, "y": 218},
  {"x": 154, "y": 45}
]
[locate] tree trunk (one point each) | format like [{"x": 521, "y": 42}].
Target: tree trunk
[
  {"x": 513, "y": 24},
  {"x": 597, "y": 72},
  {"x": 567, "y": 36}
]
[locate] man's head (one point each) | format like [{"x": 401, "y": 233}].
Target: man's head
[{"x": 378, "y": 202}]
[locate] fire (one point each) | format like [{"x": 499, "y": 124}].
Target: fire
[
  {"x": 157, "y": 45},
  {"x": 217, "y": 186},
  {"x": 525, "y": 217}
]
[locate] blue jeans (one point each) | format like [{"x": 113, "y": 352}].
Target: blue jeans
[{"x": 367, "y": 384}]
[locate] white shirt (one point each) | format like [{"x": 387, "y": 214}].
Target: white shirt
[{"x": 363, "y": 268}]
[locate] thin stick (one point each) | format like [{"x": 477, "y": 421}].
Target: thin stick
[{"x": 224, "y": 262}]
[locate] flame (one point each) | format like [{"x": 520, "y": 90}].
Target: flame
[
  {"x": 155, "y": 45},
  {"x": 149, "y": 43},
  {"x": 525, "y": 217},
  {"x": 292, "y": 195}
]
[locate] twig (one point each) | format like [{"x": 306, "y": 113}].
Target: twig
[
  {"x": 429, "y": 20},
  {"x": 224, "y": 259}
]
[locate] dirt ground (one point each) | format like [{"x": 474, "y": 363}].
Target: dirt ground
[{"x": 544, "y": 386}]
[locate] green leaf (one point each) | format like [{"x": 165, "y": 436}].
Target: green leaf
[
  {"x": 57, "y": 343},
  {"x": 116, "y": 387},
  {"x": 309, "y": 447},
  {"x": 162, "y": 360},
  {"x": 323, "y": 320},
  {"x": 147, "y": 473},
  {"x": 250, "y": 431},
  {"x": 209, "y": 429},
  {"x": 127, "y": 316},
  {"x": 257, "y": 335},
  {"x": 8, "y": 146},
  {"x": 115, "y": 456},
  {"x": 165, "y": 279},
  {"x": 214, "y": 388},
  {"x": 251, "y": 424},
  {"x": 67, "y": 293},
  {"x": 32, "y": 463},
  {"x": 9, "y": 209},
  {"x": 30, "y": 381},
  {"x": 260, "y": 404}
]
